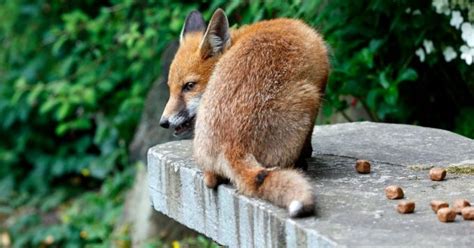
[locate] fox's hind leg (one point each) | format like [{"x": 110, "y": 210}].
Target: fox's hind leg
[
  {"x": 212, "y": 180},
  {"x": 306, "y": 153}
]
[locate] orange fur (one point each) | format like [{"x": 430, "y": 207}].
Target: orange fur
[{"x": 260, "y": 92}]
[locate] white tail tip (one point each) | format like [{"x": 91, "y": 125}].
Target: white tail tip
[{"x": 295, "y": 208}]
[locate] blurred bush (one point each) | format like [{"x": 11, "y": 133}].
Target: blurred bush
[
  {"x": 73, "y": 76},
  {"x": 73, "y": 79}
]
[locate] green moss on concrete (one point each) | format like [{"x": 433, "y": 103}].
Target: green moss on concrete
[
  {"x": 420, "y": 167},
  {"x": 463, "y": 169}
]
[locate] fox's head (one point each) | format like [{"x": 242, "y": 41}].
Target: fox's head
[{"x": 200, "y": 48}]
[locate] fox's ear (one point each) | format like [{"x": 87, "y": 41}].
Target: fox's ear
[
  {"x": 193, "y": 23},
  {"x": 217, "y": 36}
]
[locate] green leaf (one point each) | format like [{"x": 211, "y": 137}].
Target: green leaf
[
  {"x": 63, "y": 110},
  {"x": 372, "y": 99},
  {"x": 89, "y": 97},
  {"x": 48, "y": 105},
  {"x": 407, "y": 75},
  {"x": 391, "y": 96},
  {"x": 383, "y": 80},
  {"x": 34, "y": 95},
  {"x": 58, "y": 44},
  {"x": 75, "y": 125}
]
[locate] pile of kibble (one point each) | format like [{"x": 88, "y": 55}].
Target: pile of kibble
[{"x": 441, "y": 208}]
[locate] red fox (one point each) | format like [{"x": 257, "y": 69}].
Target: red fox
[{"x": 252, "y": 96}]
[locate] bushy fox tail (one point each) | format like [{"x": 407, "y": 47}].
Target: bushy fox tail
[
  {"x": 284, "y": 187},
  {"x": 288, "y": 188}
]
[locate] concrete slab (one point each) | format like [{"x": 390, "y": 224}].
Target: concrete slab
[
  {"x": 351, "y": 209},
  {"x": 393, "y": 143}
]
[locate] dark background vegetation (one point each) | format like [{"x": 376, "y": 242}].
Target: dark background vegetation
[{"x": 74, "y": 75}]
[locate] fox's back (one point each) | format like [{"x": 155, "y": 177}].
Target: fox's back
[
  {"x": 277, "y": 51},
  {"x": 265, "y": 88}
]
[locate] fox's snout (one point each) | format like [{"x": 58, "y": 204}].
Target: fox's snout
[
  {"x": 176, "y": 119},
  {"x": 164, "y": 122},
  {"x": 180, "y": 115},
  {"x": 182, "y": 123}
]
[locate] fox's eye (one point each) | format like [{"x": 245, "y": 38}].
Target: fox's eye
[{"x": 188, "y": 86}]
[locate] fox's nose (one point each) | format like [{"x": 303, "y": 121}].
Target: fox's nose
[{"x": 164, "y": 122}]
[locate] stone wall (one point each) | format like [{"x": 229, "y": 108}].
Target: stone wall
[{"x": 351, "y": 208}]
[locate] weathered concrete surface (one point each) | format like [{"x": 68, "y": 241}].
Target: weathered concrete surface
[
  {"x": 351, "y": 208},
  {"x": 393, "y": 143}
]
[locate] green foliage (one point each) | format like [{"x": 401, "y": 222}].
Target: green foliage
[
  {"x": 464, "y": 122},
  {"x": 374, "y": 62},
  {"x": 73, "y": 77},
  {"x": 88, "y": 220},
  {"x": 199, "y": 241},
  {"x": 72, "y": 83}
]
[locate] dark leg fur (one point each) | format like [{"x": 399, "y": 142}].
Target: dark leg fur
[
  {"x": 306, "y": 152},
  {"x": 212, "y": 180}
]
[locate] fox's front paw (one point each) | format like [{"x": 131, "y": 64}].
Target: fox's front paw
[{"x": 212, "y": 180}]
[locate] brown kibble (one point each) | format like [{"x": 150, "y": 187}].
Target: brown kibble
[
  {"x": 446, "y": 215},
  {"x": 362, "y": 166},
  {"x": 459, "y": 204},
  {"x": 437, "y": 174},
  {"x": 406, "y": 207},
  {"x": 394, "y": 192},
  {"x": 437, "y": 205},
  {"x": 468, "y": 213}
]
